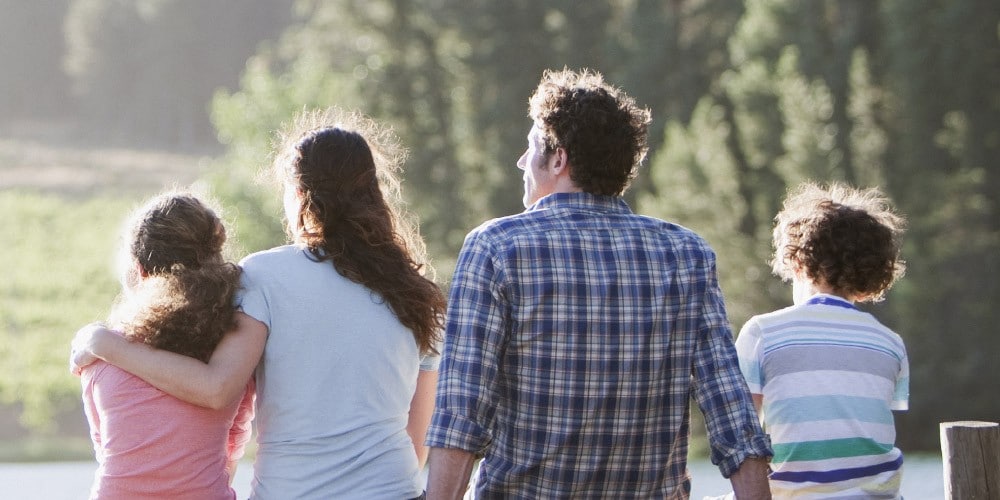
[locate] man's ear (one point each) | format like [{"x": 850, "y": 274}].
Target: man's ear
[{"x": 560, "y": 161}]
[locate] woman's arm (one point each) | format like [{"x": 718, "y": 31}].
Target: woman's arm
[
  {"x": 421, "y": 408},
  {"x": 213, "y": 385}
]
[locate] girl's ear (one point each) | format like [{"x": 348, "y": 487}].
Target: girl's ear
[{"x": 141, "y": 270}]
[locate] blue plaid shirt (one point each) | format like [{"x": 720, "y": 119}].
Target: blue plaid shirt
[{"x": 577, "y": 332}]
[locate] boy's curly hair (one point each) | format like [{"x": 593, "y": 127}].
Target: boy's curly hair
[
  {"x": 601, "y": 128},
  {"x": 185, "y": 303},
  {"x": 844, "y": 237}
]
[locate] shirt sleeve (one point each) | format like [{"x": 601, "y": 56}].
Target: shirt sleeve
[
  {"x": 239, "y": 433},
  {"x": 431, "y": 362},
  {"x": 734, "y": 432},
  {"x": 748, "y": 351},
  {"x": 901, "y": 395},
  {"x": 476, "y": 332},
  {"x": 251, "y": 297}
]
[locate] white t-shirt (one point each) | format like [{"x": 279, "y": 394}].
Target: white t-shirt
[
  {"x": 334, "y": 385},
  {"x": 830, "y": 376}
]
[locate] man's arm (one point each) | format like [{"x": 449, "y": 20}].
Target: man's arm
[
  {"x": 734, "y": 430},
  {"x": 450, "y": 469},
  {"x": 750, "y": 480},
  {"x": 474, "y": 342},
  {"x": 213, "y": 385}
]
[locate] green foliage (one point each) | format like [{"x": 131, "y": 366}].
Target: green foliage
[
  {"x": 943, "y": 145},
  {"x": 873, "y": 94},
  {"x": 271, "y": 93},
  {"x": 440, "y": 73},
  {"x": 57, "y": 265},
  {"x": 758, "y": 96},
  {"x": 700, "y": 184},
  {"x": 748, "y": 98},
  {"x": 47, "y": 448}
]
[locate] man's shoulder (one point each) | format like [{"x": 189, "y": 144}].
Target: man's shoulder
[
  {"x": 503, "y": 228},
  {"x": 673, "y": 229},
  {"x": 542, "y": 222}
]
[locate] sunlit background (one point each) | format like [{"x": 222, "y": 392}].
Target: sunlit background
[{"x": 104, "y": 102}]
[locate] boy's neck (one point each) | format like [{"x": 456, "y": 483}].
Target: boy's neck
[{"x": 803, "y": 289}]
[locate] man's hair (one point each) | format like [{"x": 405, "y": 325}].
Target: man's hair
[
  {"x": 601, "y": 128},
  {"x": 846, "y": 238}
]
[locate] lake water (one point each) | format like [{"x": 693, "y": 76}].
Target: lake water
[{"x": 922, "y": 480}]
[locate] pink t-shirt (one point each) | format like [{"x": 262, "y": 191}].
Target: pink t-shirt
[{"x": 149, "y": 444}]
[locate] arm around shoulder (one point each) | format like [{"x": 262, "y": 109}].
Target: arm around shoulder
[{"x": 215, "y": 384}]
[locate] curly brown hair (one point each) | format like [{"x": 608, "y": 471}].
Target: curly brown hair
[
  {"x": 847, "y": 238},
  {"x": 601, "y": 128},
  {"x": 345, "y": 168},
  {"x": 185, "y": 303}
]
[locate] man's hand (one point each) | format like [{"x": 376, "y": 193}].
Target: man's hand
[{"x": 81, "y": 349}]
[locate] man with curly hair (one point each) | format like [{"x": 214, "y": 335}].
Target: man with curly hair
[
  {"x": 825, "y": 375},
  {"x": 577, "y": 331}
]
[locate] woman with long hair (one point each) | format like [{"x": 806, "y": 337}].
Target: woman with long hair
[
  {"x": 340, "y": 328},
  {"x": 177, "y": 295}
]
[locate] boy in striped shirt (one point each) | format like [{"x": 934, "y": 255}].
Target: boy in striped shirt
[{"x": 824, "y": 375}]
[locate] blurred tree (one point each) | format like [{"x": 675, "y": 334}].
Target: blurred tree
[
  {"x": 748, "y": 98},
  {"x": 899, "y": 94},
  {"x": 144, "y": 71},
  {"x": 941, "y": 62},
  {"x": 441, "y": 74},
  {"x": 32, "y": 83}
]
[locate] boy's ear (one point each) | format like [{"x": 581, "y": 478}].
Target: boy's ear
[{"x": 797, "y": 269}]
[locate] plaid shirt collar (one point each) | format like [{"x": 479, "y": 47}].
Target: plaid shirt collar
[{"x": 583, "y": 201}]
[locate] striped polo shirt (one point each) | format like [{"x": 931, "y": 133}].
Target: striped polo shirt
[{"x": 830, "y": 376}]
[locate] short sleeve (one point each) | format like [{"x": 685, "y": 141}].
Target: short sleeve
[
  {"x": 749, "y": 351},
  {"x": 430, "y": 362},
  {"x": 251, "y": 298},
  {"x": 901, "y": 394}
]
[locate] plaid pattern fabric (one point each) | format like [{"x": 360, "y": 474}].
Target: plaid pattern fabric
[{"x": 577, "y": 332}]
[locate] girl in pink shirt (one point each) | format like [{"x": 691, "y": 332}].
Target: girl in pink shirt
[{"x": 177, "y": 295}]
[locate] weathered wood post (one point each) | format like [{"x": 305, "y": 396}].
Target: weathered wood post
[{"x": 970, "y": 453}]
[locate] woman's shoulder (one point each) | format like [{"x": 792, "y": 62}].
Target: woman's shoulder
[{"x": 268, "y": 257}]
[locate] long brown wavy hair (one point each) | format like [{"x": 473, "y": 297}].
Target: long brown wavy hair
[
  {"x": 184, "y": 303},
  {"x": 345, "y": 169}
]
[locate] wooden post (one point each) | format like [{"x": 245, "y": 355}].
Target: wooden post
[{"x": 970, "y": 453}]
